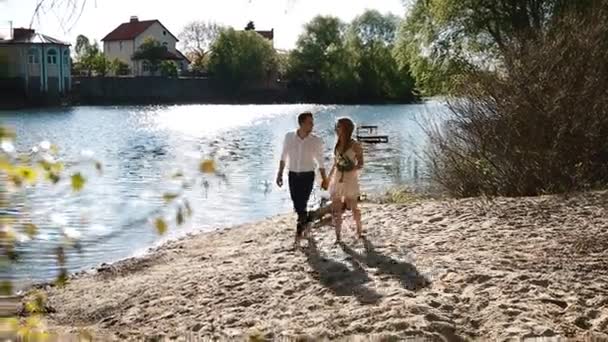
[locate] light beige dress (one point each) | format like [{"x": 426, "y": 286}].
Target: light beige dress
[{"x": 349, "y": 186}]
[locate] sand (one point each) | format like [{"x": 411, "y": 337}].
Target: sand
[{"x": 448, "y": 270}]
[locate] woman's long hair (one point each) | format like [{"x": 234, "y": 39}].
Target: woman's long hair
[{"x": 348, "y": 127}]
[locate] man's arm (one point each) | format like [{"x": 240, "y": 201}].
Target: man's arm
[{"x": 282, "y": 162}]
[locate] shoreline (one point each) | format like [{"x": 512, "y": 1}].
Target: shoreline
[
  {"x": 114, "y": 103},
  {"x": 436, "y": 269}
]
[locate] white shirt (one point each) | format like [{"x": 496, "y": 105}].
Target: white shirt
[{"x": 301, "y": 154}]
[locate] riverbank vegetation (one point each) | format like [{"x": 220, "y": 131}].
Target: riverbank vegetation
[{"x": 528, "y": 111}]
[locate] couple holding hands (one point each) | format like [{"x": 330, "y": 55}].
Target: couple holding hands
[{"x": 302, "y": 151}]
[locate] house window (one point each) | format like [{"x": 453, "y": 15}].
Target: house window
[
  {"x": 164, "y": 33},
  {"x": 51, "y": 57},
  {"x": 66, "y": 58},
  {"x": 146, "y": 67},
  {"x": 120, "y": 45},
  {"x": 32, "y": 56},
  {"x": 165, "y": 44}
]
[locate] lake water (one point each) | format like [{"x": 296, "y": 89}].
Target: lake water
[{"x": 140, "y": 148}]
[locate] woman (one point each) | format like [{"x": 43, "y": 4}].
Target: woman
[{"x": 344, "y": 176}]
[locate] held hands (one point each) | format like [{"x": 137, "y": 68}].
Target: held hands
[
  {"x": 279, "y": 181},
  {"x": 325, "y": 183}
]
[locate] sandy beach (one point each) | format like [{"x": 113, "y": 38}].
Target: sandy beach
[{"x": 448, "y": 270}]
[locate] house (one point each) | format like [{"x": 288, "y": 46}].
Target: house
[
  {"x": 35, "y": 64},
  {"x": 268, "y": 35},
  {"x": 123, "y": 41}
]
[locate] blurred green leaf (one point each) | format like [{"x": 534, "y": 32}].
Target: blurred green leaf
[
  {"x": 62, "y": 278},
  {"x": 6, "y": 288},
  {"x": 37, "y": 304},
  {"x": 31, "y": 230},
  {"x": 161, "y": 226},
  {"x": 77, "y": 181},
  {"x": 207, "y": 166},
  {"x": 53, "y": 177},
  {"x": 27, "y": 173},
  {"x": 55, "y": 167},
  {"x": 168, "y": 197},
  {"x": 31, "y": 307},
  {"x": 85, "y": 336},
  {"x": 7, "y": 133},
  {"x": 11, "y": 254},
  {"x": 16, "y": 179},
  {"x": 9, "y": 324},
  {"x": 6, "y": 166},
  {"x": 7, "y": 235},
  {"x": 24, "y": 158}
]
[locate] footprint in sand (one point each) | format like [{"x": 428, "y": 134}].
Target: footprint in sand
[{"x": 583, "y": 322}]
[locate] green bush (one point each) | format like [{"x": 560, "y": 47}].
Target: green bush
[
  {"x": 168, "y": 69},
  {"x": 539, "y": 124}
]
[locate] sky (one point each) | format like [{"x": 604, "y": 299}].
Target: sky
[{"x": 99, "y": 17}]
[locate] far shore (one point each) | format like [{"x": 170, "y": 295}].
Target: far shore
[{"x": 449, "y": 270}]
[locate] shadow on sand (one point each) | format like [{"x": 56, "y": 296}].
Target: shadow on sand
[
  {"x": 340, "y": 279},
  {"x": 404, "y": 272}
]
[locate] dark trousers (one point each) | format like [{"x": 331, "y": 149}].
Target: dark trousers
[{"x": 300, "y": 187}]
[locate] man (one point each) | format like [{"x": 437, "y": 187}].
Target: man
[{"x": 301, "y": 149}]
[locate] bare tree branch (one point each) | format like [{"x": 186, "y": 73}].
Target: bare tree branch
[{"x": 68, "y": 12}]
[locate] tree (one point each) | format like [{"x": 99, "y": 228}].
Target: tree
[
  {"x": 321, "y": 62},
  {"x": 101, "y": 65},
  {"x": 197, "y": 37},
  {"x": 69, "y": 11},
  {"x": 444, "y": 37},
  {"x": 199, "y": 63},
  {"x": 88, "y": 57},
  {"x": 282, "y": 64},
  {"x": 250, "y": 26},
  {"x": 238, "y": 57},
  {"x": 372, "y": 37},
  {"x": 151, "y": 52},
  {"x": 119, "y": 68},
  {"x": 82, "y": 45},
  {"x": 168, "y": 69}
]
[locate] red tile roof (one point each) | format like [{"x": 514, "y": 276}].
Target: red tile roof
[
  {"x": 130, "y": 30},
  {"x": 267, "y": 34}
]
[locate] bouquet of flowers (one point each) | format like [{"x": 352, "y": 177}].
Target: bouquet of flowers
[{"x": 344, "y": 164}]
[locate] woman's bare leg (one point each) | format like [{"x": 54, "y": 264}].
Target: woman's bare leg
[
  {"x": 336, "y": 204},
  {"x": 354, "y": 207}
]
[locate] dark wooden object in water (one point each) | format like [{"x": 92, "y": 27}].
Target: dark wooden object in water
[{"x": 370, "y": 136}]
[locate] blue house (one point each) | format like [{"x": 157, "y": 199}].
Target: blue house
[{"x": 35, "y": 64}]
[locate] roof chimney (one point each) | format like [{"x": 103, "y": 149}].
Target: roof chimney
[
  {"x": 134, "y": 19},
  {"x": 22, "y": 33}
]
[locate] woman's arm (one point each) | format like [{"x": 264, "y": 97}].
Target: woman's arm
[
  {"x": 333, "y": 169},
  {"x": 358, "y": 155}
]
